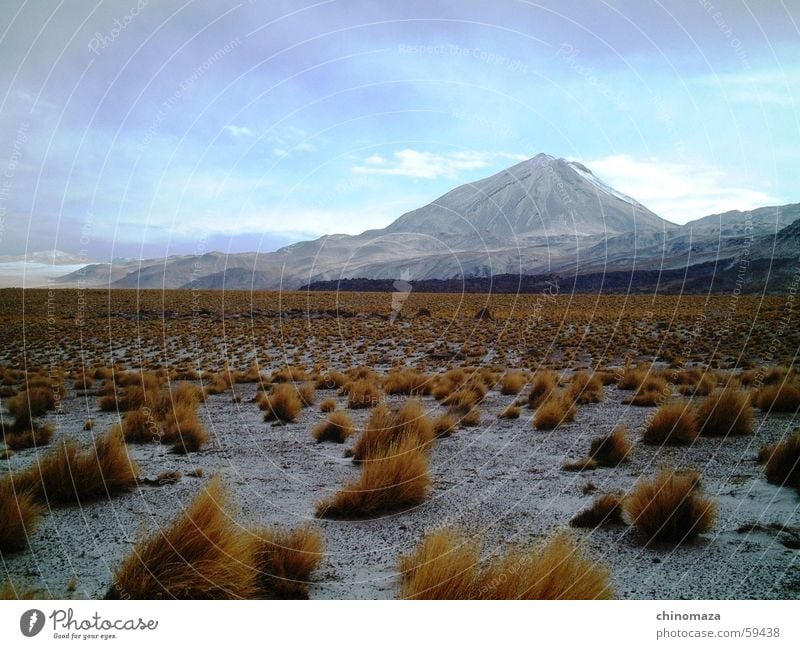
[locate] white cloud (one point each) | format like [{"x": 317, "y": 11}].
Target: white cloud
[
  {"x": 678, "y": 192},
  {"x": 238, "y": 131},
  {"x": 427, "y": 165},
  {"x": 776, "y": 87}
]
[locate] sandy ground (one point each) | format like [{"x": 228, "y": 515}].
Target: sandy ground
[{"x": 501, "y": 479}]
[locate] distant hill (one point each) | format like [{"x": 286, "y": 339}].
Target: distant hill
[{"x": 542, "y": 217}]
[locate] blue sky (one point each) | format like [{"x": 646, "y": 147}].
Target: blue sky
[{"x": 133, "y": 128}]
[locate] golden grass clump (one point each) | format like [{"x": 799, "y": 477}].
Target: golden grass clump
[
  {"x": 670, "y": 507},
  {"x": 328, "y": 405},
  {"x": 337, "y": 427},
  {"x": 31, "y": 403},
  {"x": 140, "y": 426},
  {"x": 183, "y": 428},
  {"x": 512, "y": 383},
  {"x": 782, "y": 397},
  {"x": 672, "y": 424},
  {"x": 612, "y": 449},
  {"x": 444, "y": 425},
  {"x": 407, "y": 381},
  {"x": 285, "y": 559},
  {"x": 307, "y": 393},
  {"x": 203, "y": 554},
  {"x": 606, "y": 509},
  {"x": 585, "y": 388},
  {"x": 543, "y": 385},
  {"x": 725, "y": 412},
  {"x": 632, "y": 378},
  {"x": 363, "y": 393},
  {"x": 283, "y": 403},
  {"x": 385, "y": 427},
  {"x": 782, "y": 461},
  {"x": 33, "y": 435},
  {"x": 332, "y": 380},
  {"x": 68, "y": 474},
  {"x": 290, "y": 374},
  {"x": 471, "y": 418},
  {"x": 510, "y": 412},
  {"x": 19, "y": 515},
  {"x": 446, "y": 565},
  {"x": 396, "y": 479},
  {"x": 556, "y": 409},
  {"x": 701, "y": 387}
]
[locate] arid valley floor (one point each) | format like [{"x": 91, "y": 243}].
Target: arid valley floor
[{"x": 715, "y": 395}]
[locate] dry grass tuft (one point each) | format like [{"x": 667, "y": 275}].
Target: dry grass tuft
[
  {"x": 444, "y": 425},
  {"x": 395, "y": 480},
  {"x": 471, "y": 418},
  {"x": 363, "y": 393},
  {"x": 586, "y": 388},
  {"x": 672, "y": 424},
  {"x": 183, "y": 428},
  {"x": 510, "y": 412},
  {"x": 556, "y": 409},
  {"x": 447, "y": 566},
  {"x": 285, "y": 559},
  {"x": 606, "y": 509},
  {"x": 140, "y": 426},
  {"x": 512, "y": 383},
  {"x": 407, "y": 381},
  {"x": 612, "y": 449},
  {"x": 725, "y": 412},
  {"x": 307, "y": 393},
  {"x": 203, "y": 554},
  {"x": 584, "y": 464},
  {"x": 384, "y": 428},
  {"x": 282, "y": 404},
  {"x": 542, "y": 386},
  {"x": 68, "y": 474},
  {"x": 33, "y": 436},
  {"x": 443, "y": 566},
  {"x": 783, "y": 397},
  {"x": 31, "y": 403},
  {"x": 328, "y": 405},
  {"x": 336, "y": 428},
  {"x": 670, "y": 507},
  {"x": 19, "y": 515},
  {"x": 782, "y": 461}
]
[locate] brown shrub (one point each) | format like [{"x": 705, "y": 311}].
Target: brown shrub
[
  {"x": 673, "y": 424},
  {"x": 542, "y": 386},
  {"x": 68, "y": 474},
  {"x": 184, "y": 430},
  {"x": 725, "y": 412},
  {"x": 585, "y": 388},
  {"x": 385, "y": 428},
  {"x": 336, "y": 428},
  {"x": 393, "y": 481},
  {"x": 363, "y": 393},
  {"x": 282, "y": 404},
  {"x": 606, "y": 509},
  {"x": 782, "y": 460},
  {"x": 446, "y": 566},
  {"x": 203, "y": 554},
  {"x": 512, "y": 383},
  {"x": 612, "y": 449},
  {"x": 19, "y": 515},
  {"x": 783, "y": 397},
  {"x": 285, "y": 559},
  {"x": 556, "y": 409},
  {"x": 670, "y": 507}
]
